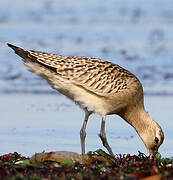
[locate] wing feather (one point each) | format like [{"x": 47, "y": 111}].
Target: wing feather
[{"x": 96, "y": 75}]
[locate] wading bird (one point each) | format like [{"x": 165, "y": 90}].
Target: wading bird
[{"x": 98, "y": 87}]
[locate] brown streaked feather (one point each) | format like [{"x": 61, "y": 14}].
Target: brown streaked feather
[
  {"x": 93, "y": 74},
  {"x": 96, "y": 75}
]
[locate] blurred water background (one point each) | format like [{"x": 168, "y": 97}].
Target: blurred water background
[{"x": 136, "y": 34}]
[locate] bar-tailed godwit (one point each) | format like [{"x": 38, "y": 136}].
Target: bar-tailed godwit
[{"x": 98, "y": 87}]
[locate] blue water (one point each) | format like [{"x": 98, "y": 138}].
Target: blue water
[{"x": 136, "y": 35}]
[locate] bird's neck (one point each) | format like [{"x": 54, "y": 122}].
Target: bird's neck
[{"x": 139, "y": 119}]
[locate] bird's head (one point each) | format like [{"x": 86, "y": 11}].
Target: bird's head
[{"x": 153, "y": 138}]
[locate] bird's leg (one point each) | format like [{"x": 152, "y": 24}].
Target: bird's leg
[
  {"x": 102, "y": 135},
  {"x": 83, "y": 132}
]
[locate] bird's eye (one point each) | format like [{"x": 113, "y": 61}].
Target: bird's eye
[{"x": 156, "y": 140}]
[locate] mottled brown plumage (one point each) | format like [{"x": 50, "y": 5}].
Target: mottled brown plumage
[
  {"x": 96, "y": 75},
  {"x": 99, "y": 87}
]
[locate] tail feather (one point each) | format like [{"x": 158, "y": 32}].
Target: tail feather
[
  {"x": 22, "y": 53},
  {"x": 15, "y": 48},
  {"x": 28, "y": 58}
]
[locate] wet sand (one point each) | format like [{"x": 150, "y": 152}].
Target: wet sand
[{"x": 33, "y": 123}]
